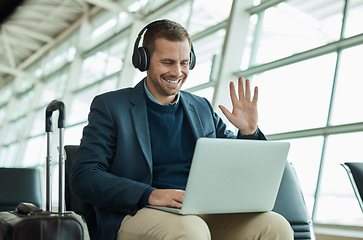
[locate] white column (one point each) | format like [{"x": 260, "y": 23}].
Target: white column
[{"x": 234, "y": 45}]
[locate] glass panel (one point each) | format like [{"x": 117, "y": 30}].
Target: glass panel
[
  {"x": 82, "y": 100},
  {"x": 58, "y": 57},
  {"x": 348, "y": 96},
  {"x": 35, "y": 152},
  {"x": 8, "y": 155},
  {"x": 295, "y": 97},
  {"x": 337, "y": 203},
  {"x": 73, "y": 135},
  {"x": 14, "y": 130},
  {"x": 54, "y": 88},
  {"x": 93, "y": 68},
  {"x": 38, "y": 123},
  {"x": 306, "y": 164},
  {"x": 26, "y": 83},
  {"x": 295, "y": 26},
  {"x": 206, "y": 14},
  {"x": 179, "y": 14},
  {"x": 81, "y": 106},
  {"x": 5, "y": 93},
  {"x": 354, "y": 20},
  {"x": 207, "y": 50},
  {"x": 2, "y": 116},
  {"x": 103, "y": 26},
  {"x": 207, "y": 93},
  {"x": 116, "y": 56},
  {"x": 22, "y": 104}
]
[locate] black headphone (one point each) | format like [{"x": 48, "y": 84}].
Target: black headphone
[{"x": 141, "y": 56}]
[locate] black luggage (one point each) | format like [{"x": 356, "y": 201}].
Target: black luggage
[{"x": 27, "y": 222}]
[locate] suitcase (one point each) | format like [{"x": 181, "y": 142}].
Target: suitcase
[{"x": 27, "y": 222}]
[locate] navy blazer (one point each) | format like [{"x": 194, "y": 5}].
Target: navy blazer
[{"x": 113, "y": 165}]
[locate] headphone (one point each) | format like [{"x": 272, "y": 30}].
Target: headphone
[{"x": 141, "y": 56}]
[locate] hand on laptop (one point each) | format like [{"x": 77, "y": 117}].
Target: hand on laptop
[
  {"x": 244, "y": 113},
  {"x": 167, "y": 198}
]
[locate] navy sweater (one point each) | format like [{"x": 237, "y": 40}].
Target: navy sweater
[{"x": 172, "y": 146}]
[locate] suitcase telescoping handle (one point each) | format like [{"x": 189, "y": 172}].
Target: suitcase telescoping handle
[{"x": 54, "y": 106}]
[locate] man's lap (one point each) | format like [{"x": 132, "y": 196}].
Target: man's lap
[{"x": 155, "y": 224}]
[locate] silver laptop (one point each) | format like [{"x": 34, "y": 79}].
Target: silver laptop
[{"x": 233, "y": 176}]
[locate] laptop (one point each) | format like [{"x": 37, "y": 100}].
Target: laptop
[{"x": 233, "y": 176}]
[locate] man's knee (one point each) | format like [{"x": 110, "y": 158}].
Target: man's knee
[
  {"x": 268, "y": 225},
  {"x": 154, "y": 224},
  {"x": 277, "y": 227},
  {"x": 190, "y": 227}
]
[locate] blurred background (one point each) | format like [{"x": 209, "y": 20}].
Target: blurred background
[{"x": 306, "y": 57}]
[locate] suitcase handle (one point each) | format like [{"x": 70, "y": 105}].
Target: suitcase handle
[{"x": 53, "y": 106}]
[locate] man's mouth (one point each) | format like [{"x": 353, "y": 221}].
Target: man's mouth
[{"x": 172, "y": 81}]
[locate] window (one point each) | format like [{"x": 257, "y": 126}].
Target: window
[
  {"x": 348, "y": 98},
  {"x": 295, "y": 97},
  {"x": 296, "y": 26},
  {"x": 312, "y": 100},
  {"x": 206, "y": 50},
  {"x": 337, "y": 202},
  {"x": 305, "y": 155}
]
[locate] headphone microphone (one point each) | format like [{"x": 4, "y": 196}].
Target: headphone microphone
[{"x": 141, "y": 56}]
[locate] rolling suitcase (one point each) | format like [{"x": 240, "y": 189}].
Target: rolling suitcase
[{"x": 27, "y": 222}]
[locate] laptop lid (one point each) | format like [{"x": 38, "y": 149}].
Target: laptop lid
[{"x": 233, "y": 176}]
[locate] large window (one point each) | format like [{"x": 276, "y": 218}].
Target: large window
[{"x": 301, "y": 55}]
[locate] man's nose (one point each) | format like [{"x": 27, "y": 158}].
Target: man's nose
[{"x": 176, "y": 70}]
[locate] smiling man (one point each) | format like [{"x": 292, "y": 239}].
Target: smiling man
[{"x": 138, "y": 145}]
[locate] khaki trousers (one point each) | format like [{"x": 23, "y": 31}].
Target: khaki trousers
[{"x": 154, "y": 224}]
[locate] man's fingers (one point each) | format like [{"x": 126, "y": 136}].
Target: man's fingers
[
  {"x": 225, "y": 111},
  {"x": 232, "y": 92},
  {"x": 241, "y": 91},
  {"x": 255, "y": 96},
  {"x": 248, "y": 90}
]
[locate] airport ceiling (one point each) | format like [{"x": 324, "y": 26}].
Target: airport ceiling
[{"x": 29, "y": 27}]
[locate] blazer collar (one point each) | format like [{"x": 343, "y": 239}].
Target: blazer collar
[
  {"x": 192, "y": 115},
  {"x": 139, "y": 118}
]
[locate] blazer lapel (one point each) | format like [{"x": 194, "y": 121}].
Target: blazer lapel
[
  {"x": 139, "y": 117},
  {"x": 193, "y": 117}
]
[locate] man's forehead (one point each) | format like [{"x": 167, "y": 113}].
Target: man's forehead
[{"x": 167, "y": 47}]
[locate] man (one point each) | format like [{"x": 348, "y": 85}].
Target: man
[{"x": 138, "y": 145}]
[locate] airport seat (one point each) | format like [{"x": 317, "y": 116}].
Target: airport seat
[
  {"x": 290, "y": 202},
  {"x": 73, "y": 203},
  {"x": 19, "y": 185},
  {"x": 355, "y": 174}
]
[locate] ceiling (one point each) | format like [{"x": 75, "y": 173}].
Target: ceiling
[{"x": 28, "y": 28}]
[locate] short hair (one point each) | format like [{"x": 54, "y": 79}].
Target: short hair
[{"x": 167, "y": 29}]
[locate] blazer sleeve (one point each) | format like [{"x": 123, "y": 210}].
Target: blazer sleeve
[{"x": 91, "y": 177}]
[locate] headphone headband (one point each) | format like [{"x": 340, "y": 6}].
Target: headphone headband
[{"x": 141, "y": 56}]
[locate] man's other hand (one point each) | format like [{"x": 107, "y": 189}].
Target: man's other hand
[{"x": 167, "y": 198}]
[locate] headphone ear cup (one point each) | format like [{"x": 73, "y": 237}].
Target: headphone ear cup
[
  {"x": 192, "y": 60},
  {"x": 136, "y": 59},
  {"x": 144, "y": 58}
]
